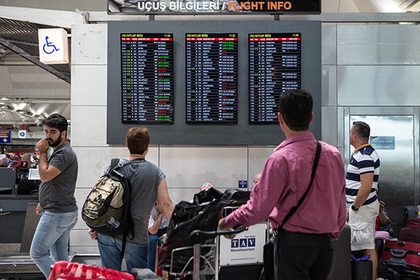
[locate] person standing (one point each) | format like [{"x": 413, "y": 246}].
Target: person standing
[
  {"x": 158, "y": 226},
  {"x": 10, "y": 160},
  {"x": 148, "y": 184},
  {"x": 257, "y": 178},
  {"x": 361, "y": 183},
  {"x": 302, "y": 248},
  {"x": 57, "y": 204}
]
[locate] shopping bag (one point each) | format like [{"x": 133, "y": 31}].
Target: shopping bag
[{"x": 361, "y": 269}]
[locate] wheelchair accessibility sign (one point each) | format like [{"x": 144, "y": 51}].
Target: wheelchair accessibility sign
[
  {"x": 53, "y": 46},
  {"x": 49, "y": 47}
]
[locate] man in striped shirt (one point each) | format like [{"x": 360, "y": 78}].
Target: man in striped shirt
[{"x": 361, "y": 182}]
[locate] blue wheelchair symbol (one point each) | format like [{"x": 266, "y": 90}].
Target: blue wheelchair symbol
[{"x": 49, "y": 45}]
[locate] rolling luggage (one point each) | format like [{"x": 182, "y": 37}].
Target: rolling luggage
[
  {"x": 410, "y": 234},
  {"x": 413, "y": 223},
  {"x": 401, "y": 255}
]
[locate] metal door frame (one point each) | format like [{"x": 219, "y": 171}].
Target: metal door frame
[{"x": 344, "y": 114}]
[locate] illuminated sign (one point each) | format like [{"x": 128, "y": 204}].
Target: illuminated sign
[
  {"x": 5, "y": 137},
  {"x": 218, "y": 6},
  {"x": 211, "y": 66},
  {"x": 147, "y": 78},
  {"x": 53, "y": 46}
]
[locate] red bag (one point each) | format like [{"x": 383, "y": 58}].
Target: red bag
[
  {"x": 76, "y": 271},
  {"x": 413, "y": 223},
  {"x": 401, "y": 255},
  {"x": 410, "y": 234}
]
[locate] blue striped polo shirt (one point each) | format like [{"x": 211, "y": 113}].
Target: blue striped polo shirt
[{"x": 364, "y": 160}]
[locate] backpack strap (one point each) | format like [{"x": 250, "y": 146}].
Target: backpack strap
[{"x": 114, "y": 163}]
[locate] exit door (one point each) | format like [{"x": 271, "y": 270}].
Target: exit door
[{"x": 393, "y": 139}]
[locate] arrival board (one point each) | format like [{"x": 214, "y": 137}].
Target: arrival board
[
  {"x": 274, "y": 66},
  {"x": 147, "y": 78},
  {"x": 211, "y": 78}
]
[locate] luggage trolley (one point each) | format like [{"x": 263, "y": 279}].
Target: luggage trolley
[
  {"x": 216, "y": 257},
  {"x": 200, "y": 259},
  {"x": 193, "y": 244}
]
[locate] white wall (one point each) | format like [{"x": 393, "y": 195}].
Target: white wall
[{"x": 186, "y": 167}]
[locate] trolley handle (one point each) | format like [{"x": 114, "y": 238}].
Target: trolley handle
[{"x": 199, "y": 236}]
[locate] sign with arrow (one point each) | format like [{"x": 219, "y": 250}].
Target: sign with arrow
[{"x": 5, "y": 137}]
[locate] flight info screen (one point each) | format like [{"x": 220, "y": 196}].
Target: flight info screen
[
  {"x": 274, "y": 67},
  {"x": 147, "y": 78},
  {"x": 211, "y": 78}
]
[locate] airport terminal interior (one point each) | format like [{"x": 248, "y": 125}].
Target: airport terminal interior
[{"x": 360, "y": 60}]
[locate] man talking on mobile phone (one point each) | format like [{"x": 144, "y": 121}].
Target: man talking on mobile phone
[{"x": 57, "y": 204}]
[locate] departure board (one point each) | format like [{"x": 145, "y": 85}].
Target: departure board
[
  {"x": 147, "y": 78},
  {"x": 274, "y": 67},
  {"x": 211, "y": 78}
]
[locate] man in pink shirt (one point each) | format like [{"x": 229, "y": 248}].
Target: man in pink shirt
[{"x": 303, "y": 246}]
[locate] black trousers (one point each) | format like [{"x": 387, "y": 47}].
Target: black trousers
[{"x": 300, "y": 256}]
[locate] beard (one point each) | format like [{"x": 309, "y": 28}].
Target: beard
[{"x": 54, "y": 143}]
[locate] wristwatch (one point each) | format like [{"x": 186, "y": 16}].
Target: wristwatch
[{"x": 354, "y": 208}]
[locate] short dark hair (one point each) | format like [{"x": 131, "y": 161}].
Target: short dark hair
[
  {"x": 56, "y": 121},
  {"x": 137, "y": 139},
  {"x": 296, "y": 108},
  {"x": 362, "y": 130}
]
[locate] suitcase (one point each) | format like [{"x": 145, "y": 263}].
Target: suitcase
[
  {"x": 410, "y": 234},
  {"x": 401, "y": 255},
  {"x": 413, "y": 223},
  {"x": 76, "y": 271}
]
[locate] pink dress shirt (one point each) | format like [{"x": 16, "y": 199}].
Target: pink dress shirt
[{"x": 284, "y": 179}]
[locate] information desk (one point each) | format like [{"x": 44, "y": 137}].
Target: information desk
[
  {"x": 18, "y": 265},
  {"x": 12, "y": 216}
]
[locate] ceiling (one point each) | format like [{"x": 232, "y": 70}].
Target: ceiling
[{"x": 30, "y": 90}]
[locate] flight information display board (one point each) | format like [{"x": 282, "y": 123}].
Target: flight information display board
[
  {"x": 274, "y": 67},
  {"x": 202, "y": 125},
  {"x": 211, "y": 78},
  {"x": 147, "y": 78}
]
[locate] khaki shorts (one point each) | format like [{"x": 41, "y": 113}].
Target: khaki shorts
[{"x": 362, "y": 225}]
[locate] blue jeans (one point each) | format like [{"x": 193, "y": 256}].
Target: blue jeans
[
  {"x": 110, "y": 249},
  {"x": 52, "y": 233},
  {"x": 153, "y": 238}
]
